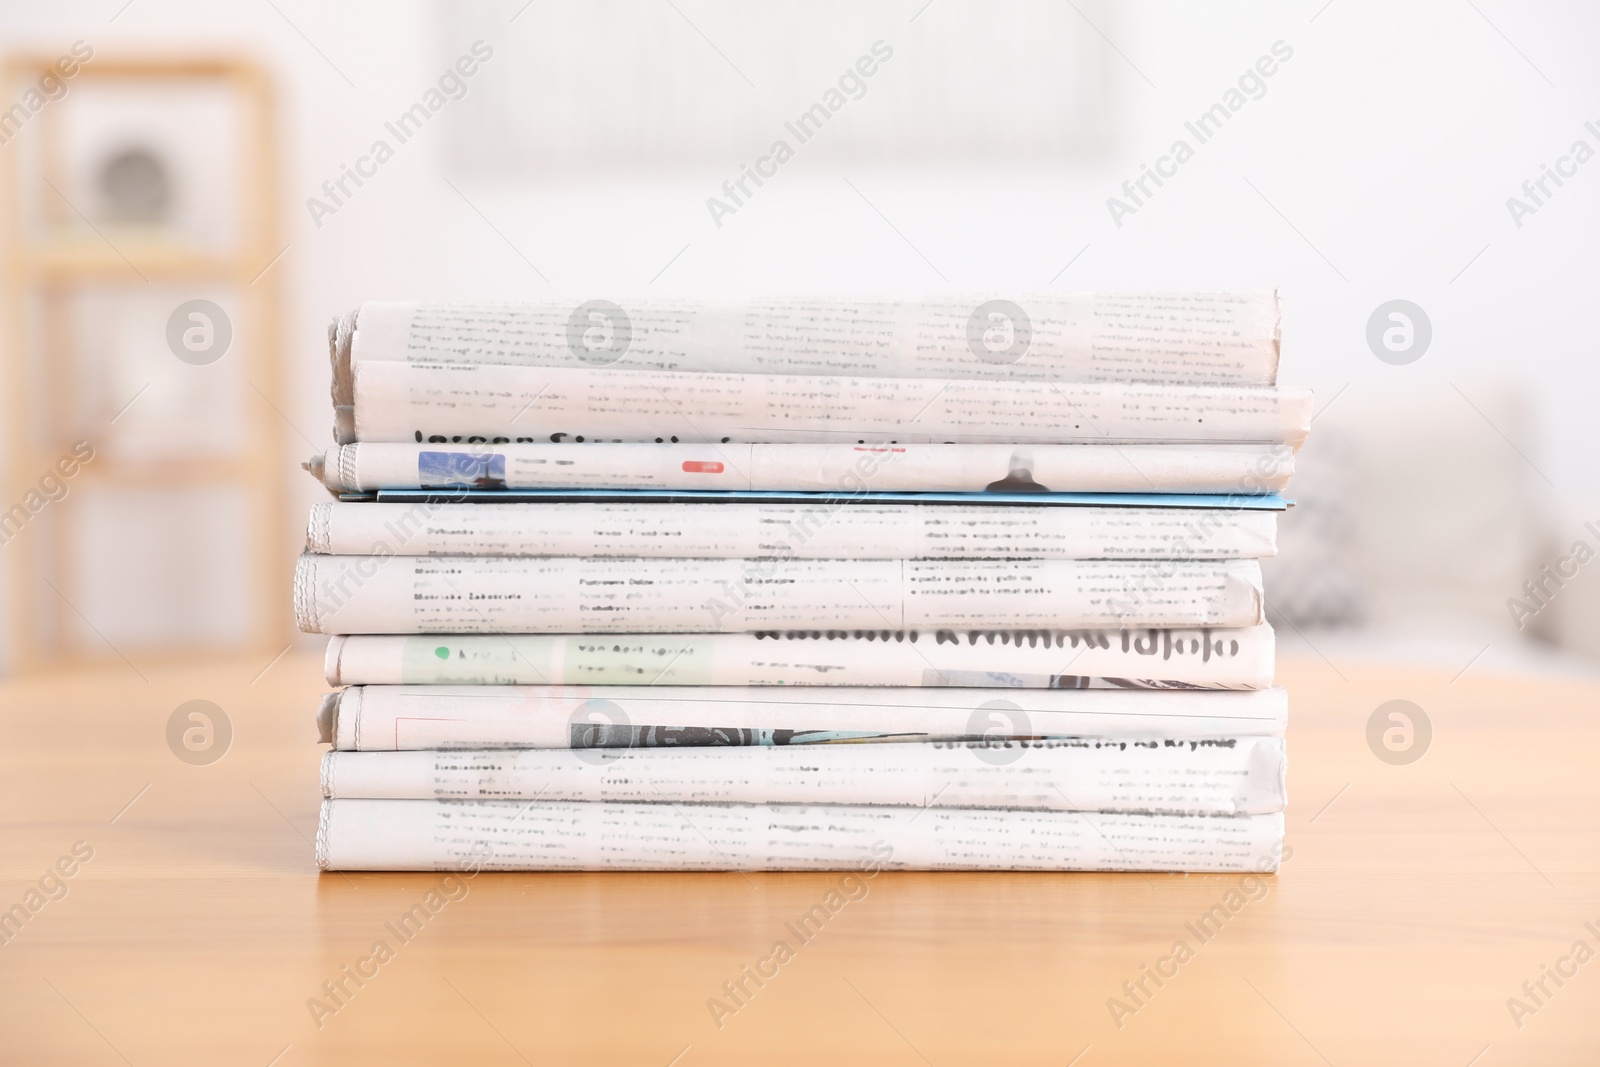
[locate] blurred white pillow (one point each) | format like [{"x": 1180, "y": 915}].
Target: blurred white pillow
[{"x": 1416, "y": 506}]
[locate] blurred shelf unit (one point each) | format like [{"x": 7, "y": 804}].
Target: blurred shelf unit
[
  {"x": 53, "y": 254},
  {"x": 74, "y": 260}
]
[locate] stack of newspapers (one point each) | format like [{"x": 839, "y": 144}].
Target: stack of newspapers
[{"x": 784, "y": 584}]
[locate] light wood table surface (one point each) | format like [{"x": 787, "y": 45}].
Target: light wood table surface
[{"x": 1418, "y": 899}]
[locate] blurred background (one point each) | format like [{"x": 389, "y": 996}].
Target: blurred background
[{"x": 191, "y": 191}]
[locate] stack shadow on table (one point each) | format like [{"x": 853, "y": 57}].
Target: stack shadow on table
[{"x": 790, "y": 584}]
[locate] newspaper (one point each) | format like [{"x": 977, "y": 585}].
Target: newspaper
[
  {"x": 434, "y": 835},
  {"x": 1217, "y": 776},
  {"x": 496, "y": 594},
  {"x": 441, "y": 403},
  {"x": 838, "y": 529},
  {"x": 1175, "y": 338},
  {"x": 827, "y": 468},
  {"x": 384, "y": 718},
  {"x": 1002, "y": 659}
]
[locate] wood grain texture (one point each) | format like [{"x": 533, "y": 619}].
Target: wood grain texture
[{"x": 1417, "y": 900}]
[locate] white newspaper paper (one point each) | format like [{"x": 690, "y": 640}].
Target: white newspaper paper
[
  {"x": 437, "y": 835},
  {"x": 383, "y": 718},
  {"x": 438, "y": 403},
  {"x": 1006, "y": 659},
  {"x": 746, "y": 530},
  {"x": 495, "y": 594},
  {"x": 825, "y": 468},
  {"x": 1218, "y": 776},
  {"x": 1179, "y": 338}
]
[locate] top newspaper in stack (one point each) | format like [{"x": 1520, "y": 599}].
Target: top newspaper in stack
[
  {"x": 1040, "y": 370},
  {"x": 1210, "y": 339}
]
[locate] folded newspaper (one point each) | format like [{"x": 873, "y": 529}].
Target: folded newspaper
[
  {"x": 487, "y": 403},
  {"x": 1006, "y": 659},
  {"x": 859, "y": 530},
  {"x": 1174, "y": 338},
  {"x": 848, "y": 468},
  {"x": 1216, "y": 776},
  {"x": 395, "y": 718},
  {"x": 515, "y": 835},
  {"x": 515, "y": 594}
]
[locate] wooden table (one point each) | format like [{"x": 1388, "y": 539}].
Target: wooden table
[{"x": 1418, "y": 899}]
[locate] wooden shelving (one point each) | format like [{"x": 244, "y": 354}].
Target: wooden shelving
[{"x": 50, "y": 259}]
